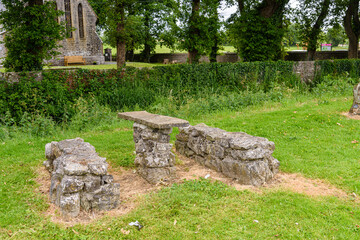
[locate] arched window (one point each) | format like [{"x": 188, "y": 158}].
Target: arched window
[
  {"x": 81, "y": 21},
  {"x": 68, "y": 18}
]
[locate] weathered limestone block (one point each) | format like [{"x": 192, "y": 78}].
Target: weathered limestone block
[
  {"x": 355, "y": 108},
  {"x": 79, "y": 178},
  {"x": 154, "y": 158},
  {"x": 237, "y": 155}
]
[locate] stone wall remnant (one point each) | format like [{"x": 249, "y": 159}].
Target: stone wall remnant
[
  {"x": 235, "y": 154},
  {"x": 355, "y": 108},
  {"x": 79, "y": 178}
]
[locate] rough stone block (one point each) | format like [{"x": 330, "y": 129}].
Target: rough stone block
[
  {"x": 156, "y": 175},
  {"x": 70, "y": 204},
  {"x": 79, "y": 178},
  {"x": 71, "y": 184},
  {"x": 237, "y": 155}
]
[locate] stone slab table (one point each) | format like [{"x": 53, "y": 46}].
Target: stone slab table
[{"x": 154, "y": 160}]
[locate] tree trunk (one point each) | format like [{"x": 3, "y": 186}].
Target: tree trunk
[
  {"x": 194, "y": 32},
  {"x": 130, "y": 55},
  {"x": 270, "y": 7},
  {"x": 316, "y": 29},
  {"x": 310, "y": 54},
  {"x": 352, "y": 27},
  {"x": 147, "y": 48},
  {"x": 214, "y": 50},
  {"x": 36, "y": 2},
  {"x": 241, "y": 5},
  {"x": 120, "y": 41}
]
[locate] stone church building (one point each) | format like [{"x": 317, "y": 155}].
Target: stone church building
[{"x": 83, "y": 41}]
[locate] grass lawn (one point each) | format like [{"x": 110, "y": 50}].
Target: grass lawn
[
  {"x": 318, "y": 49},
  {"x": 312, "y": 138},
  {"x": 224, "y": 49},
  {"x": 165, "y": 49},
  {"x": 112, "y": 66}
]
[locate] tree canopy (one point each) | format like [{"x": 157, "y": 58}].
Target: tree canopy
[
  {"x": 32, "y": 33},
  {"x": 259, "y": 29}
]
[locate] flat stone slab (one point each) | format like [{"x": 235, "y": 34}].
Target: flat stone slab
[{"x": 153, "y": 120}]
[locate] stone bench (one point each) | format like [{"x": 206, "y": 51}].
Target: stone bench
[{"x": 154, "y": 160}]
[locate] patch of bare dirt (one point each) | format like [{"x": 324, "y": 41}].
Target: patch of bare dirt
[
  {"x": 132, "y": 186},
  {"x": 351, "y": 116},
  {"x": 293, "y": 182},
  {"x": 299, "y": 184}
]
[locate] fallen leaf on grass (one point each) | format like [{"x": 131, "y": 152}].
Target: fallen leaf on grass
[
  {"x": 340, "y": 124},
  {"x": 75, "y": 232},
  {"x": 125, "y": 232},
  {"x": 175, "y": 222}
]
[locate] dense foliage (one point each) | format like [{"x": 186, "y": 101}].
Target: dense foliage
[
  {"x": 32, "y": 33},
  {"x": 257, "y": 30},
  {"x": 59, "y": 95}
]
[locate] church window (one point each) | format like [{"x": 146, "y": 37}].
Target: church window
[
  {"x": 81, "y": 21},
  {"x": 68, "y": 18}
]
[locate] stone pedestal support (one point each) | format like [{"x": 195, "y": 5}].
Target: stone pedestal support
[{"x": 154, "y": 159}]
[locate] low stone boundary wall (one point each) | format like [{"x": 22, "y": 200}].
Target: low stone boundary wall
[
  {"x": 235, "y": 154},
  {"x": 79, "y": 178}
]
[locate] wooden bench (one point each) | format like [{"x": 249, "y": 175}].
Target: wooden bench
[
  {"x": 154, "y": 159},
  {"x": 74, "y": 59}
]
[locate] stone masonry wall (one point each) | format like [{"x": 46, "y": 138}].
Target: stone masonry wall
[
  {"x": 154, "y": 159},
  {"x": 237, "y": 155},
  {"x": 79, "y": 178}
]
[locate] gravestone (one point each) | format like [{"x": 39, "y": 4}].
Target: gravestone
[{"x": 355, "y": 108}]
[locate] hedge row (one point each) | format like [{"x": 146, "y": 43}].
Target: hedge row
[{"x": 56, "y": 95}]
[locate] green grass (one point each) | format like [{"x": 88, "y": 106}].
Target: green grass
[
  {"x": 104, "y": 66},
  {"x": 165, "y": 49},
  {"x": 292, "y": 48},
  {"x": 223, "y": 49},
  {"x": 110, "y": 66},
  {"x": 311, "y": 138}
]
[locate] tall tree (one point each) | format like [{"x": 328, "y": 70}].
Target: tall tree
[
  {"x": 310, "y": 18},
  {"x": 336, "y": 35},
  {"x": 214, "y": 25},
  {"x": 118, "y": 24},
  {"x": 198, "y": 28},
  {"x": 158, "y": 18},
  {"x": 257, "y": 29},
  {"x": 32, "y": 33},
  {"x": 352, "y": 27}
]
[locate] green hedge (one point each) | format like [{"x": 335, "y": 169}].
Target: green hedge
[
  {"x": 57, "y": 94},
  {"x": 345, "y": 67}
]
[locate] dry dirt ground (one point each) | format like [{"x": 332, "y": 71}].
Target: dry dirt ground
[
  {"x": 351, "y": 116},
  {"x": 132, "y": 187}
]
